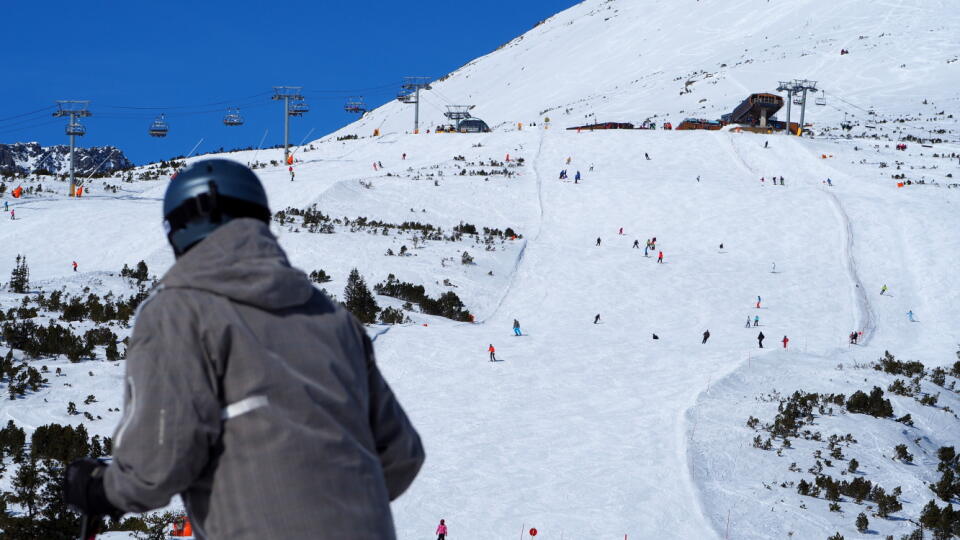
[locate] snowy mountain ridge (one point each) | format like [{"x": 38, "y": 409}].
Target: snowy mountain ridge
[{"x": 28, "y": 158}]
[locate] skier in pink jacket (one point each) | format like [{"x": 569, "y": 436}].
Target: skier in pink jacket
[{"x": 441, "y": 530}]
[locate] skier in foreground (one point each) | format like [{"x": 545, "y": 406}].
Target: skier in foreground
[{"x": 248, "y": 392}]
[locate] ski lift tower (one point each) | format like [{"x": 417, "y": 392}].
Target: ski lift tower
[
  {"x": 287, "y": 94},
  {"x": 787, "y": 86},
  {"x": 458, "y": 113},
  {"x": 73, "y": 109},
  {"x": 803, "y": 86},
  {"x": 798, "y": 87},
  {"x": 410, "y": 93}
]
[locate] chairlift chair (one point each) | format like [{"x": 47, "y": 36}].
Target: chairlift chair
[
  {"x": 798, "y": 100},
  {"x": 822, "y": 100},
  {"x": 298, "y": 108},
  {"x": 233, "y": 118},
  {"x": 159, "y": 127},
  {"x": 76, "y": 128},
  {"x": 355, "y": 105},
  {"x": 406, "y": 97}
]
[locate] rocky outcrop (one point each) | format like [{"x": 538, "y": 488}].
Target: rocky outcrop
[{"x": 26, "y": 158}]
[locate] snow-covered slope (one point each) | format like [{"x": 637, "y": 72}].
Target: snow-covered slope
[
  {"x": 625, "y": 60},
  {"x": 587, "y": 430}
]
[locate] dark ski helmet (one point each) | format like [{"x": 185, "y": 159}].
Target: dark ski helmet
[{"x": 206, "y": 195}]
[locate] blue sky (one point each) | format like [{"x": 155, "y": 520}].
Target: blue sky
[{"x": 134, "y": 60}]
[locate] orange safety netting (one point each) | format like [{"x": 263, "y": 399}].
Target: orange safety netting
[
  {"x": 17, "y": 192},
  {"x": 182, "y": 528}
]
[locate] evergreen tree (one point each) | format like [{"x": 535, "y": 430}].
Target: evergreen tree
[
  {"x": 20, "y": 276},
  {"x": 112, "y": 352},
  {"x": 862, "y": 523},
  {"x": 359, "y": 300},
  {"x": 26, "y": 487},
  {"x": 58, "y": 522}
]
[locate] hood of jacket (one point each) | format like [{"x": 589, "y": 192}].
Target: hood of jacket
[{"x": 243, "y": 261}]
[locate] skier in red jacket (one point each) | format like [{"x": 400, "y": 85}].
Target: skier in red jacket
[{"x": 785, "y": 341}]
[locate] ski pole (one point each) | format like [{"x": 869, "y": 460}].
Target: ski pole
[{"x": 88, "y": 526}]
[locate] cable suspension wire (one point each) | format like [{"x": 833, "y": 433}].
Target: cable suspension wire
[
  {"x": 353, "y": 90},
  {"x": 31, "y": 113},
  {"x": 132, "y": 115},
  {"x": 56, "y": 120},
  {"x": 167, "y": 107}
]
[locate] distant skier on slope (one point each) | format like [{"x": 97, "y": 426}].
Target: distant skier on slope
[
  {"x": 853, "y": 337},
  {"x": 596, "y": 320},
  {"x": 785, "y": 340},
  {"x": 706, "y": 336},
  {"x": 910, "y": 316},
  {"x": 883, "y": 289},
  {"x": 646, "y": 250},
  {"x": 13, "y": 214},
  {"x": 756, "y": 320},
  {"x": 758, "y": 301},
  {"x": 74, "y": 266},
  {"x": 636, "y": 244},
  {"x": 576, "y": 178},
  {"x": 621, "y": 230},
  {"x": 748, "y": 322},
  {"x": 492, "y": 351},
  {"x": 598, "y": 241},
  {"x": 211, "y": 367},
  {"x": 516, "y": 328},
  {"x": 442, "y": 530},
  {"x": 646, "y": 155},
  {"x": 660, "y": 258},
  {"x": 760, "y": 337}
]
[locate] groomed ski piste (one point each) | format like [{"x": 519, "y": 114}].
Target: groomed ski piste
[{"x": 586, "y": 430}]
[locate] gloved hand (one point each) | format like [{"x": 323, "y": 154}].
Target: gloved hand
[{"x": 83, "y": 489}]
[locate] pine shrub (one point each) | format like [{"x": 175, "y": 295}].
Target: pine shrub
[
  {"x": 358, "y": 299},
  {"x": 20, "y": 276}
]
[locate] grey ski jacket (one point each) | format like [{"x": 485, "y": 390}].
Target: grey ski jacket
[{"x": 257, "y": 399}]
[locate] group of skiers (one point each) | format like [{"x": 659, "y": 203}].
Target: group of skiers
[
  {"x": 760, "y": 337},
  {"x": 576, "y": 177},
  {"x": 774, "y": 179}
]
